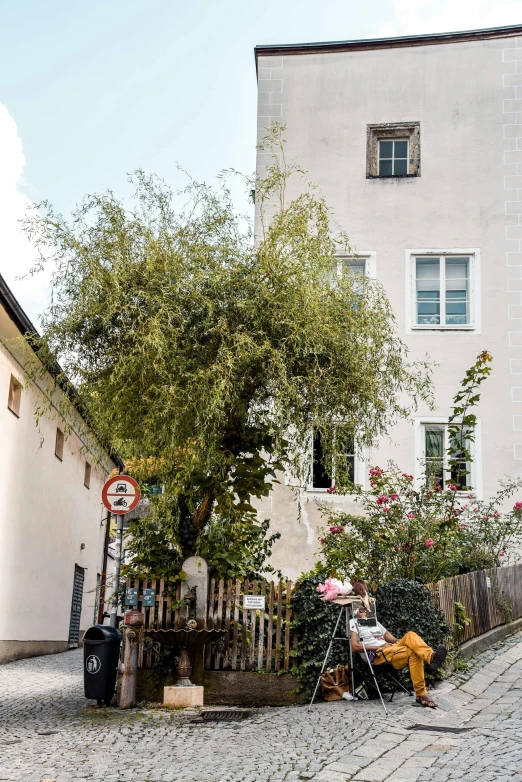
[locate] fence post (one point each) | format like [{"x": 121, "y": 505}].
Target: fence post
[{"x": 132, "y": 632}]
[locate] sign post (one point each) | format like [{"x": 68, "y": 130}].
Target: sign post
[{"x": 120, "y": 495}]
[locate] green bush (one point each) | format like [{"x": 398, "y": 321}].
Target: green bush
[{"x": 315, "y": 623}]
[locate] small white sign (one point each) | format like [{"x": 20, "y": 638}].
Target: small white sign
[
  {"x": 256, "y": 602},
  {"x": 488, "y": 582}
]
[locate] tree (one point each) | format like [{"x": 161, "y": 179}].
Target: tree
[{"x": 207, "y": 356}]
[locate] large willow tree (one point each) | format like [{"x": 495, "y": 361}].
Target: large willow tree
[{"x": 207, "y": 356}]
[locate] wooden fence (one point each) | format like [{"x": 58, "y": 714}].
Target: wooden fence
[
  {"x": 261, "y": 640},
  {"x": 489, "y": 598},
  {"x": 256, "y": 640}
]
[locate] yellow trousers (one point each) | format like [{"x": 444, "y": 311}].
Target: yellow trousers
[{"x": 411, "y": 651}]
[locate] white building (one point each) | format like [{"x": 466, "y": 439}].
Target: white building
[
  {"x": 52, "y": 522},
  {"x": 416, "y": 143}
]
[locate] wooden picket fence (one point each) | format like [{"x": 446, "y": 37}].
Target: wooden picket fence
[{"x": 256, "y": 640}]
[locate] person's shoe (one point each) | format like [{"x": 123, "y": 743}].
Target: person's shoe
[
  {"x": 347, "y": 696},
  {"x": 438, "y": 658}
]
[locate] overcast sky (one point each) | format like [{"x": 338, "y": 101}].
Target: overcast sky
[{"x": 92, "y": 91}]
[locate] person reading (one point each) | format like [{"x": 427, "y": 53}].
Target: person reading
[{"x": 369, "y": 636}]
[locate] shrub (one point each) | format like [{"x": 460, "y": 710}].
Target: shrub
[
  {"x": 315, "y": 623},
  {"x": 404, "y": 605}
]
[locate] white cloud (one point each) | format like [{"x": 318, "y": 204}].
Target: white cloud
[
  {"x": 16, "y": 253},
  {"x": 419, "y": 16}
]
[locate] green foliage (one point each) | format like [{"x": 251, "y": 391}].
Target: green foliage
[
  {"x": 425, "y": 531},
  {"x": 461, "y": 618},
  {"x": 237, "y": 549},
  {"x": 196, "y": 349},
  {"x": 314, "y": 623}
]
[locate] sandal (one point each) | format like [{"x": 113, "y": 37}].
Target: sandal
[{"x": 426, "y": 701}]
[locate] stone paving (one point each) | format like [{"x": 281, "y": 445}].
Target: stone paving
[{"x": 48, "y": 733}]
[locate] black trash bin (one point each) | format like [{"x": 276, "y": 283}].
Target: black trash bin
[{"x": 101, "y": 653}]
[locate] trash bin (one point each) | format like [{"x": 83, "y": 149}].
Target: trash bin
[{"x": 101, "y": 653}]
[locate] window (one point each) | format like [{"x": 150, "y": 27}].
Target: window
[
  {"x": 58, "y": 448},
  {"x": 393, "y": 150},
  {"x": 438, "y": 471},
  {"x": 323, "y": 475},
  {"x": 393, "y": 158},
  {"x": 87, "y": 476},
  {"x": 442, "y": 291},
  {"x": 362, "y": 264},
  {"x": 15, "y": 396}
]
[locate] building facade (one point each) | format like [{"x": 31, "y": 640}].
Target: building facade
[
  {"x": 416, "y": 144},
  {"x": 52, "y": 522}
]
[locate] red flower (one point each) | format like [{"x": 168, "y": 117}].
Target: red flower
[
  {"x": 336, "y": 529},
  {"x": 332, "y": 490},
  {"x": 410, "y": 515},
  {"x": 517, "y": 506},
  {"x": 382, "y": 499},
  {"x": 394, "y": 496},
  {"x": 408, "y": 477},
  {"x": 429, "y": 542},
  {"x": 376, "y": 472},
  {"x": 323, "y": 540},
  {"x": 452, "y": 487},
  {"x": 439, "y": 488},
  {"x": 385, "y": 510}
]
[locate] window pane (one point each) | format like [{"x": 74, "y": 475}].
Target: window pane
[
  {"x": 401, "y": 149},
  {"x": 385, "y": 148},
  {"x": 400, "y": 167},
  {"x": 428, "y": 291},
  {"x": 355, "y": 266},
  {"x": 459, "y": 472},
  {"x": 320, "y": 477},
  {"x": 434, "y": 447},
  {"x": 457, "y": 291},
  {"x": 385, "y": 167}
]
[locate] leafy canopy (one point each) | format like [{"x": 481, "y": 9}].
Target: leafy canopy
[{"x": 197, "y": 350}]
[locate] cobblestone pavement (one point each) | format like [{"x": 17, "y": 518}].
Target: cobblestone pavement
[{"x": 47, "y": 732}]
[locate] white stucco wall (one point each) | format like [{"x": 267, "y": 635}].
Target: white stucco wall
[
  {"x": 469, "y": 196},
  {"x": 46, "y": 514}
]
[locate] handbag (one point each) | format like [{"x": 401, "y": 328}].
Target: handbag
[{"x": 335, "y": 682}]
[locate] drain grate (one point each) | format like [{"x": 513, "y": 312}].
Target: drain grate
[
  {"x": 225, "y": 715},
  {"x": 438, "y": 728}
]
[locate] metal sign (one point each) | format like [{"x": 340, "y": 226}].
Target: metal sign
[
  {"x": 256, "y": 602},
  {"x": 121, "y": 494},
  {"x": 149, "y": 598},
  {"x": 131, "y": 597},
  {"x": 488, "y": 582}
]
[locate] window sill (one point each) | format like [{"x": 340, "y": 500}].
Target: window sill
[
  {"x": 393, "y": 176},
  {"x": 417, "y": 327}
]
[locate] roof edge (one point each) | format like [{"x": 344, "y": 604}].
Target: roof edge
[
  {"x": 24, "y": 325},
  {"x": 428, "y": 39}
]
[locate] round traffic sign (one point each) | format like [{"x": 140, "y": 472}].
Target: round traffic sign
[{"x": 121, "y": 494}]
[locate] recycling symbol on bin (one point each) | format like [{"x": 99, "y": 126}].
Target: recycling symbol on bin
[{"x": 92, "y": 664}]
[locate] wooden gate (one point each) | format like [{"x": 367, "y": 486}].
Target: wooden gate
[{"x": 256, "y": 640}]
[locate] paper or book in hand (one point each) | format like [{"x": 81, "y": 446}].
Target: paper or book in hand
[{"x": 365, "y": 614}]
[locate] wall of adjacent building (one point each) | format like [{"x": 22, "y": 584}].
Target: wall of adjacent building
[
  {"x": 49, "y": 521},
  {"x": 467, "y": 97}
]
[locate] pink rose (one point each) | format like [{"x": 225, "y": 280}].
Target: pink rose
[
  {"x": 517, "y": 506},
  {"x": 394, "y": 496},
  {"x": 336, "y": 529},
  {"x": 332, "y": 490},
  {"x": 439, "y": 488},
  {"x": 502, "y": 554},
  {"x": 408, "y": 477},
  {"x": 385, "y": 510},
  {"x": 382, "y": 499},
  {"x": 429, "y": 543},
  {"x": 376, "y": 472},
  {"x": 323, "y": 540},
  {"x": 410, "y": 515},
  {"x": 452, "y": 487}
]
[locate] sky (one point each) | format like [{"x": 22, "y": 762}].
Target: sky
[{"x": 89, "y": 92}]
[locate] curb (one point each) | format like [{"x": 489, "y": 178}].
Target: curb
[{"x": 482, "y": 642}]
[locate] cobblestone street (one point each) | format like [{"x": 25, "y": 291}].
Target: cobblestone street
[{"x": 49, "y": 733}]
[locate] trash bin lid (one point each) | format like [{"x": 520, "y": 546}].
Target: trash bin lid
[{"x": 102, "y": 633}]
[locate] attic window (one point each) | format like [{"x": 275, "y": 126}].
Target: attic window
[
  {"x": 87, "y": 476},
  {"x": 15, "y": 396},
  {"x": 393, "y": 150}
]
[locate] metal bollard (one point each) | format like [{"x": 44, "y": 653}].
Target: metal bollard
[{"x": 131, "y": 635}]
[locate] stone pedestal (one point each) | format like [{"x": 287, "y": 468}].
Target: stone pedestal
[{"x": 183, "y": 696}]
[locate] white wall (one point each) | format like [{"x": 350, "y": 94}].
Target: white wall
[
  {"x": 46, "y": 514},
  {"x": 469, "y": 195}
]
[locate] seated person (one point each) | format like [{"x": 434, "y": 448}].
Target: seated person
[{"x": 409, "y": 650}]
